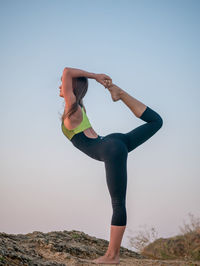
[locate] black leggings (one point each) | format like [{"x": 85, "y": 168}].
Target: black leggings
[{"x": 113, "y": 150}]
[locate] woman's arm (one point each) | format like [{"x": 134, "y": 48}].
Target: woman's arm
[{"x": 74, "y": 72}]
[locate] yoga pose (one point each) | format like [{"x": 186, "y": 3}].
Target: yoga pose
[{"x": 111, "y": 149}]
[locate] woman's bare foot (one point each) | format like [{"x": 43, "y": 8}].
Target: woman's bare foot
[
  {"x": 115, "y": 91},
  {"x": 106, "y": 260}
]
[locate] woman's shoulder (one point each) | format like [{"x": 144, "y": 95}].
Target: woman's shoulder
[{"x": 75, "y": 119}]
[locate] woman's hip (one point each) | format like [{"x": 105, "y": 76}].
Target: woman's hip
[{"x": 104, "y": 148}]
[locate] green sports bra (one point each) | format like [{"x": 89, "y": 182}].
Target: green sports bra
[{"x": 81, "y": 127}]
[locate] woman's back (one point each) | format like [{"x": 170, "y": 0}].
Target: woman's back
[{"x": 77, "y": 122}]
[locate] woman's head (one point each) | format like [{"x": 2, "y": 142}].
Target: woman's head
[{"x": 80, "y": 87}]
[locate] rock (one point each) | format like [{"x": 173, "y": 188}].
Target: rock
[{"x": 61, "y": 248}]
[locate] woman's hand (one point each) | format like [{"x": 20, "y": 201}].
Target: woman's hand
[{"x": 105, "y": 80}]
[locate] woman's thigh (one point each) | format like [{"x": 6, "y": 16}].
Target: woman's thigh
[
  {"x": 140, "y": 134},
  {"x": 116, "y": 174}
]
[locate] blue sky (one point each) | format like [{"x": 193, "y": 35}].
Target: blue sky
[{"x": 151, "y": 50}]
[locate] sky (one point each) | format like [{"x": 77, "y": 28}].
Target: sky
[{"x": 151, "y": 50}]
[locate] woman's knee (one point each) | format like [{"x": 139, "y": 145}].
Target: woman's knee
[
  {"x": 119, "y": 216},
  {"x": 159, "y": 122}
]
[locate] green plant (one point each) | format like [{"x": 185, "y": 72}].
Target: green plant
[{"x": 74, "y": 235}]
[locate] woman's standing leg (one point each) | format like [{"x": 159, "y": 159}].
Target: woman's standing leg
[{"x": 115, "y": 159}]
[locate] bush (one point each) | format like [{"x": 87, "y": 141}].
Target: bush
[
  {"x": 143, "y": 238},
  {"x": 193, "y": 226}
]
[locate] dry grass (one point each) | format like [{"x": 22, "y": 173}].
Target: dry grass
[{"x": 186, "y": 245}]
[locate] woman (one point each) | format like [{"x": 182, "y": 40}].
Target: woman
[{"x": 112, "y": 149}]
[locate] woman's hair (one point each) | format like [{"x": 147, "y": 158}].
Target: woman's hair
[{"x": 80, "y": 87}]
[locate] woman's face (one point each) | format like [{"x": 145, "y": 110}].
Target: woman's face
[{"x": 61, "y": 91}]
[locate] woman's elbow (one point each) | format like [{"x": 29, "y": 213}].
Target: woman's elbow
[{"x": 65, "y": 70}]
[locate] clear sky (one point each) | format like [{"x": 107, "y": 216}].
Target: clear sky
[{"x": 151, "y": 50}]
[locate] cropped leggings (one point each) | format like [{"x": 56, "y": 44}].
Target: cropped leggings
[{"x": 113, "y": 150}]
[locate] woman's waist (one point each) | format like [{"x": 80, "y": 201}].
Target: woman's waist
[
  {"x": 90, "y": 132},
  {"x": 81, "y": 138}
]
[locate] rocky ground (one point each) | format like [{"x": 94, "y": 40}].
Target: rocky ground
[{"x": 60, "y": 248}]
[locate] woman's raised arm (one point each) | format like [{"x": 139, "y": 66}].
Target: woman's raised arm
[{"x": 75, "y": 73}]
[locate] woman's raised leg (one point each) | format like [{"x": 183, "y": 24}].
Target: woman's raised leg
[
  {"x": 134, "y": 105},
  {"x": 140, "y": 134}
]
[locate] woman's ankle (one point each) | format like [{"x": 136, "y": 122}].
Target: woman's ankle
[
  {"x": 112, "y": 254},
  {"x": 122, "y": 92}
]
